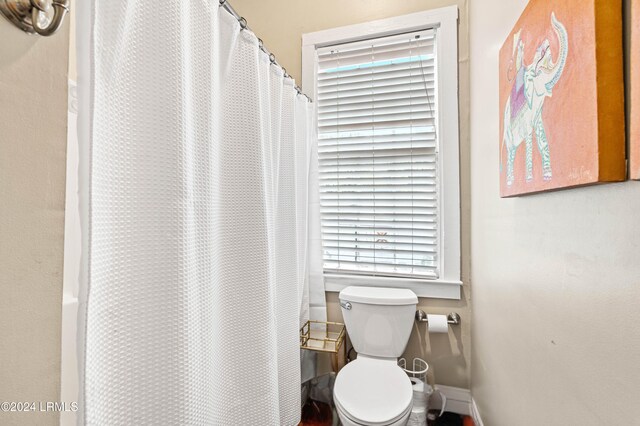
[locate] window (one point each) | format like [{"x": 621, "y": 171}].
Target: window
[{"x": 386, "y": 98}]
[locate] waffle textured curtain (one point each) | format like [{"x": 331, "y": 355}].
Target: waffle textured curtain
[{"x": 195, "y": 166}]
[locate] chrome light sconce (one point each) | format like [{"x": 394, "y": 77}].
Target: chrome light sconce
[{"x": 35, "y": 16}]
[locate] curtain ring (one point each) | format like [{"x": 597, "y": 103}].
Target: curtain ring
[
  {"x": 222, "y": 2},
  {"x": 261, "y": 46},
  {"x": 243, "y": 23},
  {"x": 272, "y": 58}
]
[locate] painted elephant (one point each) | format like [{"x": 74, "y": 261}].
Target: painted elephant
[{"x": 523, "y": 110}]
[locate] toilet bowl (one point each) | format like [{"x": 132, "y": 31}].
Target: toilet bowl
[{"x": 373, "y": 390}]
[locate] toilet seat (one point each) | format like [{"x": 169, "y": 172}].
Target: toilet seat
[
  {"x": 400, "y": 420},
  {"x": 372, "y": 391}
]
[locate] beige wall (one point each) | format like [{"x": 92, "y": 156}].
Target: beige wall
[
  {"x": 33, "y": 134},
  {"x": 73, "y": 65},
  {"x": 556, "y": 277},
  {"x": 280, "y": 24}
]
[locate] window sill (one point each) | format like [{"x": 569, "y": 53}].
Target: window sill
[{"x": 436, "y": 289}]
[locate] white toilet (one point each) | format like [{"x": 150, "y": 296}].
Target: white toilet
[{"x": 373, "y": 390}]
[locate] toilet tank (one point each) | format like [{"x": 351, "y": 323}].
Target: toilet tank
[{"x": 378, "y": 320}]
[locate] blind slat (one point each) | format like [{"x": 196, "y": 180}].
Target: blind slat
[
  {"x": 387, "y": 119},
  {"x": 411, "y": 203},
  {"x": 379, "y": 223},
  {"x": 346, "y": 157},
  {"x": 425, "y": 65},
  {"x": 367, "y": 98},
  {"x": 400, "y": 89},
  {"x": 361, "y": 268},
  {"x": 394, "y": 106},
  {"x": 388, "y": 220},
  {"x": 424, "y": 72},
  {"x": 384, "y": 157},
  {"x": 392, "y": 234},
  {"x": 416, "y": 170},
  {"x": 374, "y": 168},
  {"x": 377, "y": 81},
  {"x": 335, "y": 63},
  {"x": 379, "y": 150}
]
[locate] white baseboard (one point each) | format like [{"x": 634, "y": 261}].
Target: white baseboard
[
  {"x": 475, "y": 414},
  {"x": 458, "y": 399}
]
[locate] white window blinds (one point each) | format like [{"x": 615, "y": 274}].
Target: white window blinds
[{"x": 378, "y": 143}]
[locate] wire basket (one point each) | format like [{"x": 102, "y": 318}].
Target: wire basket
[
  {"x": 419, "y": 368},
  {"x": 322, "y": 336},
  {"x": 327, "y": 337}
]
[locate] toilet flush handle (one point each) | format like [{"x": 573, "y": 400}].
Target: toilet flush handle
[{"x": 345, "y": 305}]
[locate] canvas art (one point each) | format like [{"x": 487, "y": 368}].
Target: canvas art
[
  {"x": 634, "y": 81},
  {"x": 562, "y": 97}
]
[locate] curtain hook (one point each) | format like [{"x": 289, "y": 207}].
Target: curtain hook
[{"x": 243, "y": 23}]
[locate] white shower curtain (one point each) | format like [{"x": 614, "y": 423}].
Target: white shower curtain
[{"x": 195, "y": 159}]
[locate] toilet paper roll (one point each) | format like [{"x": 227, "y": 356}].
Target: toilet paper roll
[
  {"x": 417, "y": 384},
  {"x": 438, "y": 323},
  {"x": 418, "y": 416},
  {"x": 419, "y": 397}
]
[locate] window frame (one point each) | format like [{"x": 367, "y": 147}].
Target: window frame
[{"x": 448, "y": 285}]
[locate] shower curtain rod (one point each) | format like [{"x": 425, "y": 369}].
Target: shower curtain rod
[{"x": 272, "y": 57}]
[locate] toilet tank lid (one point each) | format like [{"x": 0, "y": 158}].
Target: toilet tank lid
[{"x": 379, "y": 295}]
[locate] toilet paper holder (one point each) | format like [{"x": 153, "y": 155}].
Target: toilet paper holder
[{"x": 453, "y": 318}]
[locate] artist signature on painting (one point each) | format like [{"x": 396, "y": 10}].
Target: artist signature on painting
[{"x": 580, "y": 174}]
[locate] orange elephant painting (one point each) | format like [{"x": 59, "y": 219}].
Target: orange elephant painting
[
  {"x": 634, "y": 80},
  {"x": 562, "y": 97}
]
